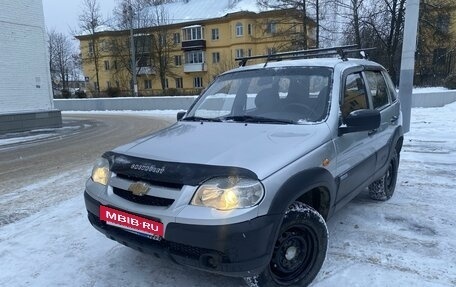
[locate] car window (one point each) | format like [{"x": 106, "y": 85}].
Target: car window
[
  {"x": 391, "y": 87},
  {"x": 355, "y": 97},
  {"x": 295, "y": 94},
  {"x": 378, "y": 89}
]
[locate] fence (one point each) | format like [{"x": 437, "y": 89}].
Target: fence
[{"x": 437, "y": 98}]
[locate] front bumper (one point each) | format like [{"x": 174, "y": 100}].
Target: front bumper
[{"x": 241, "y": 249}]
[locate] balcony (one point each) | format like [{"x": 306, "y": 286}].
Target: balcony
[
  {"x": 145, "y": 71},
  {"x": 194, "y": 45},
  {"x": 195, "y": 67}
]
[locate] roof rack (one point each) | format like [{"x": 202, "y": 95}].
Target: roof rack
[{"x": 342, "y": 51}]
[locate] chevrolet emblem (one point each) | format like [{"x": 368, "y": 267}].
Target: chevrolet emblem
[{"x": 139, "y": 188}]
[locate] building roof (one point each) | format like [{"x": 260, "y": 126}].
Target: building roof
[{"x": 194, "y": 10}]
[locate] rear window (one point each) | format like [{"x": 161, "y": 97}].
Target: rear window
[{"x": 378, "y": 89}]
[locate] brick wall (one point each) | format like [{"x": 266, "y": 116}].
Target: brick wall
[{"x": 24, "y": 66}]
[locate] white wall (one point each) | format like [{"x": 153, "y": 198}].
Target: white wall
[{"x": 24, "y": 67}]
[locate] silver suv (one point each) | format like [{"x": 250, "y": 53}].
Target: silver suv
[{"x": 243, "y": 183}]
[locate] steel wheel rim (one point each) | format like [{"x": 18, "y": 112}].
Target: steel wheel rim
[{"x": 285, "y": 266}]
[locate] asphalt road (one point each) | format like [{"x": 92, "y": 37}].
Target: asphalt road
[{"x": 71, "y": 149}]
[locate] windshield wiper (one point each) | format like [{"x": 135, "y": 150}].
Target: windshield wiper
[
  {"x": 256, "y": 119},
  {"x": 201, "y": 119}
]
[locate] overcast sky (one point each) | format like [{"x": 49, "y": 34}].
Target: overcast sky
[{"x": 63, "y": 15}]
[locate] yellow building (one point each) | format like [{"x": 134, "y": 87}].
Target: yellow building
[
  {"x": 185, "y": 57},
  {"x": 436, "y": 50}
]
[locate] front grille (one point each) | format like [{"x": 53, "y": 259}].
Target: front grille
[
  {"x": 151, "y": 182},
  {"x": 146, "y": 199}
]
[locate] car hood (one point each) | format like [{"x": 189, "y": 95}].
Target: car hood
[{"x": 260, "y": 148}]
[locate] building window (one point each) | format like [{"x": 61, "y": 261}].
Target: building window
[
  {"x": 216, "y": 57},
  {"x": 215, "y": 34},
  {"x": 106, "y": 65},
  {"x": 439, "y": 57},
  {"x": 197, "y": 82},
  {"x": 179, "y": 83},
  {"x": 194, "y": 57},
  {"x": 108, "y": 84},
  {"x": 239, "y": 30},
  {"x": 177, "y": 38},
  {"x": 91, "y": 48},
  {"x": 147, "y": 84},
  {"x": 271, "y": 27},
  {"x": 249, "y": 52},
  {"x": 115, "y": 64},
  {"x": 443, "y": 23},
  {"x": 271, "y": 51},
  {"x": 239, "y": 53},
  {"x": 249, "y": 29},
  {"x": 178, "y": 60},
  {"x": 193, "y": 33}
]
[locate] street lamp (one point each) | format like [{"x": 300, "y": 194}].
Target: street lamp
[{"x": 129, "y": 12}]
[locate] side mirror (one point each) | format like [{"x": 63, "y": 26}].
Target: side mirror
[
  {"x": 361, "y": 120},
  {"x": 180, "y": 115}
]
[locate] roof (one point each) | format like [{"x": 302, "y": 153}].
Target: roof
[
  {"x": 195, "y": 10},
  {"x": 310, "y": 62}
]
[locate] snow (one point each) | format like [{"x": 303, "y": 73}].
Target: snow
[
  {"x": 194, "y": 10},
  {"x": 406, "y": 241},
  {"x": 419, "y": 90}
]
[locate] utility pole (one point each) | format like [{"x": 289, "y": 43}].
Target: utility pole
[
  {"x": 132, "y": 51},
  {"x": 412, "y": 11}
]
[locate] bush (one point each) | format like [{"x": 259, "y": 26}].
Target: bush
[
  {"x": 66, "y": 94},
  {"x": 112, "y": 92},
  {"x": 450, "y": 82},
  {"x": 80, "y": 94}
]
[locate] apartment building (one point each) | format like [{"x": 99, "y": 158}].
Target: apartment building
[{"x": 184, "y": 56}]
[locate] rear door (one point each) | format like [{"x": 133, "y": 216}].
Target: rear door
[{"x": 383, "y": 98}]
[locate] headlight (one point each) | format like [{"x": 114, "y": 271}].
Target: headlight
[
  {"x": 226, "y": 193},
  {"x": 100, "y": 172}
]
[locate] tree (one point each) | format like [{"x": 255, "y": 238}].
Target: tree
[
  {"x": 384, "y": 30},
  {"x": 89, "y": 21},
  {"x": 61, "y": 61},
  {"x": 317, "y": 10},
  {"x": 435, "y": 53},
  {"x": 353, "y": 12},
  {"x": 162, "y": 43},
  {"x": 153, "y": 41}
]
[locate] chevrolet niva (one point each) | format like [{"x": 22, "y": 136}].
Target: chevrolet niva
[{"x": 244, "y": 182}]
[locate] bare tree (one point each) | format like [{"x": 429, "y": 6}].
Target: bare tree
[
  {"x": 310, "y": 13},
  {"x": 61, "y": 60},
  {"x": 141, "y": 17},
  {"x": 353, "y": 14},
  {"x": 435, "y": 54},
  {"x": 89, "y": 21},
  {"x": 162, "y": 43},
  {"x": 384, "y": 30}
]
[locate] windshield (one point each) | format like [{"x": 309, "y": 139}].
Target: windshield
[{"x": 279, "y": 95}]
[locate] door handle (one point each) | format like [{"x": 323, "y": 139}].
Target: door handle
[
  {"x": 394, "y": 119},
  {"x": 372, "y": 132}
]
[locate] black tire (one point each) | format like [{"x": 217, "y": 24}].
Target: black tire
[
  {"x": 383, "y": 188},
  {"x": 299, "y": 251}
]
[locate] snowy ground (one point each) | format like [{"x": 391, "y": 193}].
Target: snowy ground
[{"x": 407, "y": 241}]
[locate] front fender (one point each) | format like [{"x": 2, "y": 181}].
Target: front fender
[{"x": 301, "y": 183}]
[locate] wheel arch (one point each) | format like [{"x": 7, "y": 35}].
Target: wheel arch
[{"x": 315, "y": 187}]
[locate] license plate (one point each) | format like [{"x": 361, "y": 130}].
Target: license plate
[{"x": 130, "y": 222}]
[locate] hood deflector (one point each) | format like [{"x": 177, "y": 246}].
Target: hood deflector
[{"x": 171, "y": 172}]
